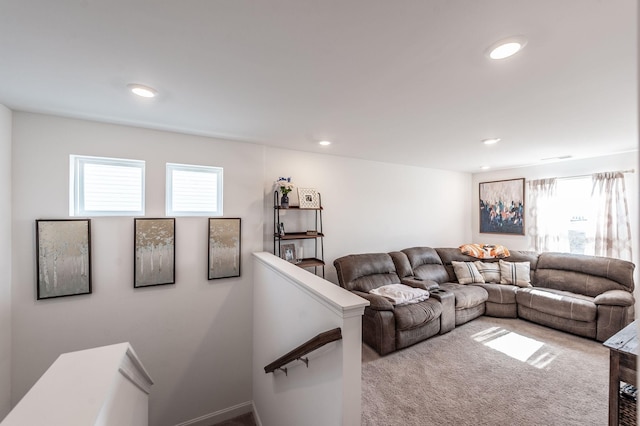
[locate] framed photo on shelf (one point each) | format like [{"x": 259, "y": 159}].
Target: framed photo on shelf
[
  {"x": 288, "y": 252},
  {"x": 154, "y": 252},
  {"x": 502, "y": 207},
  {"x": 224, "y": 248},
  {"x": 63, "y": 250},
  {"x": 308, "y": 198}
]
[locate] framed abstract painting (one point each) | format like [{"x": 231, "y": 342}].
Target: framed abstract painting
[
  {"x": 154, "y": 252},
  {"x": 224, "y": 248},
  {"x": 502, "y": 207}
]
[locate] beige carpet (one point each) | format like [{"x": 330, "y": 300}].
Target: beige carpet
[{"x": 490, "y": 371}]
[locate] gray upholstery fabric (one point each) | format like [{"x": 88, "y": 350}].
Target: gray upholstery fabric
[
  {"x": 467, "y": 296},
  {"x": 406, "y": 338},
  {"x": 402, "y": 265},
  {"x": 612, "y": 319},
  {"x": 426, "y": 264},
  {"x": 500, "y": 293},
  {"x": 580, "y": 328},
  {"x": 501, "y": 310},
  {"x": 417, "y": 314},
  {"x": 616, "y": 270},
  {"x": 614, "y": 297},
  {"x": 466, "y": 315},
  {"x": 562, "y": 304},
  {"x": 365, "y": 272}
]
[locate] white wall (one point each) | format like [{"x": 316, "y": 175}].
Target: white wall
[
  {"x": 616, "y": 162},
  {"x": 193, "y": 337},
  {"x": 5, "y": 261},
  {"x": 291, "y": 307},
  {"x": 372, "y": 206}
]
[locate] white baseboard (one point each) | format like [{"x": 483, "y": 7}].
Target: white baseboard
[
  {"x": 256, "y": 417},
  {"x": 222, "y": 415}
]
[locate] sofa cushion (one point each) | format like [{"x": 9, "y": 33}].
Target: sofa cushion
[
  {"x": 515, "y": 273},
  {"x": 558, "y": 303},
  {"x": 426, "y": 264},
  {"x": 417, "y": 314},
  {"x": 490, "y": 271},
  {"x": 500, "y": 293},
  {"x": 467, "y": 273},
  {"x": 364, "y": 272},
  {"x": 467, "y": 296}
]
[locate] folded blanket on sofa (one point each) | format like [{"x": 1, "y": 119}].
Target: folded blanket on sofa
[
  {"x": 484, "y": 251},
  {"x": 401, "y": 294}
]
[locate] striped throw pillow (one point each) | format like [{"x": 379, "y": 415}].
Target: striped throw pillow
[
  {"x": 490, "y": 271},
  {"x": 466, "y": 272},
  {"x": 515, "y": 273}
]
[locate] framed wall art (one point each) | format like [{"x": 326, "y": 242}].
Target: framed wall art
[
  {"x": 288, "y": 252},
  {"x": 154, "y": 252},
  {"x": 224, "y": 247},
  {"x": 63, "y": 250},
  {"x": 502, "y": 207},
  {"x": 308, "y": 198}
]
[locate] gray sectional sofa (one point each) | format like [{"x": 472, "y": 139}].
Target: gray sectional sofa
[{"x": 588, "y": 296}]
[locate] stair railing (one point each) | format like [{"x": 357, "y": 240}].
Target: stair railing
[{"x": 299, "y": 352}]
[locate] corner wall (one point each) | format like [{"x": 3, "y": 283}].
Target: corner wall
[
  {"x": 5, "y": 261},
  {"x": 371, "y": 206},
  {"x": 194, "y": 337},
  {"x": 626, "y": 161}
]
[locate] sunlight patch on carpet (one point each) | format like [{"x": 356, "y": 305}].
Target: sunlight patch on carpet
[{"x": 517, "y": 346}]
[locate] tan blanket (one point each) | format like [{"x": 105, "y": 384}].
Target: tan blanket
[{"x": 485, "y": 251}]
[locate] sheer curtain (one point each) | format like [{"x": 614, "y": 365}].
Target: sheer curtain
[
  {"x": 543, "y": 229},
  {"x": 613, "y": 230}
]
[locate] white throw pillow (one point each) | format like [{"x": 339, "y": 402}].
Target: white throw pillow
[
  {"x": 515, "y": 273},
  {"x": 490, "y": 271},
  {"x": 466, "y": 272}
]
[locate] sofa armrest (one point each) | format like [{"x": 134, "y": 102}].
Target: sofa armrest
[
  {"x": 614, "y": 298},
  {"x": 377, "y": 303},
  {"x": 420, "y": 283}
]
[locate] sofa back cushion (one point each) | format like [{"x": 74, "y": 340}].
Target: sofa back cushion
[
  {"x": 426, "y": 264},
  {"x": 364, "y": 272},
  {"x": 448, "y": 255},
  {"x": 582, "y": 274}
]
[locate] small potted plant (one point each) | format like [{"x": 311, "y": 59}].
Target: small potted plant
[{"x": 286, "y": 186}]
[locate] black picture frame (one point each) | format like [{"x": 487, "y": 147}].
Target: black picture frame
[
  {"x": 502, "y": 207},
  {"x": 154, "y": 252},
  {"x": 63, "y": 257},
  {"x": 224, "y": 248}
]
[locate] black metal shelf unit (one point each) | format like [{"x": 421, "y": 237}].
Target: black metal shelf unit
[{"x": 317, "y": 260}]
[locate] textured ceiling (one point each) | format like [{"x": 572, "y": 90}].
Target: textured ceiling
[{"x": 399, "y": 81}]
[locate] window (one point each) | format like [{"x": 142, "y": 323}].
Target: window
[
  {"x": 102, "y": 186},
  {"x": 194, "y": 190}
]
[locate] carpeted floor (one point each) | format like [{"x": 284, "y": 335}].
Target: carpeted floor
[{"x": 490, "y": 371}]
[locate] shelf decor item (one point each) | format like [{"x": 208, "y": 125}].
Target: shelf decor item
[
  {"x": 224, "y": 248},
  {"x": 288, "y": 252},
  {"x": 154, "y": 252},
  {"x": 302, "y": 247},
  {"x": 286, "y": 186},
  {"x": 502, "y": 207},
  {"x": 63, "y": 250},
  {"x": 308, "y": 198}
]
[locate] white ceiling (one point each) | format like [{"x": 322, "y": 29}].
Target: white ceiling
[{"x": 403, "y": 81}]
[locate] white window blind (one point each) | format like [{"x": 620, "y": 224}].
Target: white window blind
[
  {"x": 194, "y": 190},
  {"x": 106, "y": 186}
]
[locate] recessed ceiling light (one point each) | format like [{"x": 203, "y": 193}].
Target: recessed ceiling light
[
  {"x": 143, "y": 91},
  {"x": 490, "y": 141},
  {"x": 485, "y": 167},
  {"x": 324, "y": 143},
  {"x": 507, "y": 47}
]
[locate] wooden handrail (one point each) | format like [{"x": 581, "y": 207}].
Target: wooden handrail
[{"x": 309, "y": 346}]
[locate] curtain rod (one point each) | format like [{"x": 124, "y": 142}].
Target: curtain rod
[{"x": 589, "y": 175}]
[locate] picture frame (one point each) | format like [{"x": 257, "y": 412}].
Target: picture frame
[
  {"x": 154, "y": 252},
  {"x": 224, "y": 252},
  {"x": 288, "y": 252},
  {"x": 308, "y": 198},
  {"x": 502, "y": 207},
  {"x": 63, "y": 253}
]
